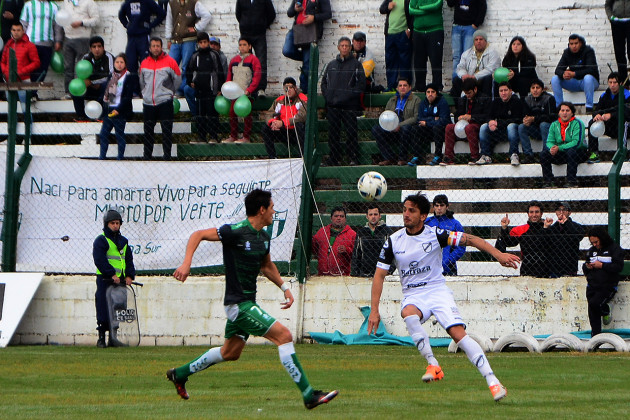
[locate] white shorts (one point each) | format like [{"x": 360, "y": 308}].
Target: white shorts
[{"x": 437, "y": 301}]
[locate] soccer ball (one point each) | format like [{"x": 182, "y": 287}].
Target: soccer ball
[{"x": 372, "y": 186}]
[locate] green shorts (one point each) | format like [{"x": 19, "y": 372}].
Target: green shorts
[{"x": 251, "y": 320}]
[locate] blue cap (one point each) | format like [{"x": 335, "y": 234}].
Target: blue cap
[{"x": 215, "y": 39}]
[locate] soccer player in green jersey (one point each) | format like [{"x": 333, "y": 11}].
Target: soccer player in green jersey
[{"x": 245, "y": 254}]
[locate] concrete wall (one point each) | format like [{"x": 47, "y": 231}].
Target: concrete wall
[
  {"x": 172, "y": 313},
  {"x": 544, "y": 24}
]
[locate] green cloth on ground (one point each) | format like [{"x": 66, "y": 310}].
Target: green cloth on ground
[{"x": 382, "y": 337}]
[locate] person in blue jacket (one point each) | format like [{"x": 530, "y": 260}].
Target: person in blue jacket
[
  {"x": 139, "y": 17},
  {"x": 443, "y": 218},
  {"x": 113, "y": 258},
  {"x": 433, "y": 116}
]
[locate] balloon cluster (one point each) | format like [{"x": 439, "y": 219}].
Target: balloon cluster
[
  {"x": 83, "y": 70},
  {"x": 231, "y": 91}
]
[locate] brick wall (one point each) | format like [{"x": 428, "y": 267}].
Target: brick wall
[{"x": 544, "y": 24}]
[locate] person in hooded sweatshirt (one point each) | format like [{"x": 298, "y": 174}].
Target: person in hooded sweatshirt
[
  {"x": 113, "y": 258},
  {"x": 576, "y": 71},
  {"x": 26, "y": 55},
  {"x": 444, "y": 218}
]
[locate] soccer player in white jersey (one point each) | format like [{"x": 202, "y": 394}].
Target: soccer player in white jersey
[{"x": 417, "y": 250}]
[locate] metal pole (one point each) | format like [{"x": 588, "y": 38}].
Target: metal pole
[{"x": 306, "y": 214}]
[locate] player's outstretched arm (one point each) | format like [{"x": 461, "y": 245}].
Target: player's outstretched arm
[
  {"x": 505, "y": 259},
  {"x": 195, "y": 239},
  {"x": 269, "y": 270},
  {"x": 377, "y": 290}
]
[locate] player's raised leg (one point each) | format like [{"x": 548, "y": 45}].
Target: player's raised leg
[
  {"x": 412, "y": 316},
  {"x": 478, "y": 358},
  {"x": 281, "y": 336}
]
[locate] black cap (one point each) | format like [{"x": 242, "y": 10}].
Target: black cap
[
  {"x": 110, "y": 216},
  {"x": 441, "y": 198},
  {"x": 564, "y": 204},
  {"x": 289, "y": 80},
  {"x": 359, "y": 36}
]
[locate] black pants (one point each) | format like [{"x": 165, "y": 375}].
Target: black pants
[
  {"x": 292, "y": 135},
  {"x": 100, "y": 301},
  {"x": 429, "y": 46},
  {"x": 337, "y": 116},
  {"x": 572, "y": 157},
  {"x": 207, "y": 117},
  {"x": 621, "y": 45},
  {"x": 152, "y": 114},
  {"x": 423, "y": 136},
  {"x": 598, "y": 298},
  {"x": 93, "y": 93},
  {"x": 611, "y": 130},
  {"x": 259, "y": 45}
]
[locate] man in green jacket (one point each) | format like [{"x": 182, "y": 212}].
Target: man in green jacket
[
  {"x": 565, "y": 144},
  {"x": 405, "y": 104}
]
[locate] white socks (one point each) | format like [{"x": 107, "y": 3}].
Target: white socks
[
  {"x": 209, "y": 358},
  {"x": 477, "y": 357},
  {"x": 420, "y": 337}
]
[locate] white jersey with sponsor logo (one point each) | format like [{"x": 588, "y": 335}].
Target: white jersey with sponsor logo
[{"x": 418, "y": 257}]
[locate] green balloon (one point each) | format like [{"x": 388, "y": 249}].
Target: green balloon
[
  {"x": 242, "y": 106},
  {"x": 501, "y": 75},
  {"x": 57, "y": 62},
  {"x": 222, "y": 105},
  {"x": 83, "y": 69},
  {"x": 77, "y": 87},
  {"x": 176, "y": 105}
]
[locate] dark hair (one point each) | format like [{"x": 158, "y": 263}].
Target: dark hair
[
  {"x": 435, "y": 87},
  {"x": 373, "y": 206},
  {"x": 344, "y": 38},
  {"x": 97, "y": 40},
  {"x": 421, "y": 201},
  {"x": 537, "y": 82},
  {"x": 156, "y": 39},
  {"x": 244, "y": 39},
  {"x": 336, "y": 209},
  {"x": 123, "y": 56},
  {"x": 441, "y": 199},
  {"x": 17, "y": 23},
  {"x": 255, "y": 200},
  {"x": 576, "y": 36},
  {"x": 601, "y": 232},
  {"x": 614, "y": 75},
  {"x": 405, "y": 78},
  {"x": 203, "y": 36},
  {"x": 506, "y": 83},
  {"x": 469, "y": 84},
  {"x": 512, "y": 60},
  {"x": 535, "y": 203},
  {"x": 569, "y": 104}
]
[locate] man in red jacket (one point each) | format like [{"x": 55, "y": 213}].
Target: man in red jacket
[
  {"x": 26, "y": 54},
  {"x": 333, "y": 245}
]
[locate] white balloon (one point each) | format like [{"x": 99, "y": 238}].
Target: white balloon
[
  {"x": 597, "y": 129},
  {"x": 460, "y": 129},
  {"x": 231, "y": 90},
  {"x": 63, "y": 17},
  {"x": 93, "y": 109},
  {"x": 388, "y": 120}
]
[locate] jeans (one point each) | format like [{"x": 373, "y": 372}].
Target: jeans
[
  {"x": 588, "y": 85},
  {"x": 533, "y": 131},
  {"x": 461, "y": 40},
  {"x": 397, "y": 58},
  {"x": 152, "y": 114},
  {"x": 621, "y": 45},
  {"x": 289, "y": 50},
  {"x": 181, "y": 53},
  {"x": 572, "y": 157},
  {"x": 137, "y": 50},
  {"x": 489, "y": 138},
  {"x": 385, "y": 140},
  {"x": 428, "y": 46},
  {"x": 118, "y": 124},
  {"x": 189, "y": 94}
]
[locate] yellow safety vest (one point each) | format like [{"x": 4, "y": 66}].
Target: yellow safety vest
[{"x": 115, "y": 258}]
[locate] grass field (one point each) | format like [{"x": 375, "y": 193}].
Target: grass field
[{"x": 379, "y": 382}]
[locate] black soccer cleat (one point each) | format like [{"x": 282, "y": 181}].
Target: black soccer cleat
[
  {"x": 179, "y": 385},
  {"x": 319, "y": 398}
]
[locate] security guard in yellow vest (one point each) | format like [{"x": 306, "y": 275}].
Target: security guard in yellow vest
[{"x": 114, "y": 263}]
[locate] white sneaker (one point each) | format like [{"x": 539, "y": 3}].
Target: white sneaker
[
  {"x": 514, "y": 160},
  {"x": 484, "y": 160}
]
